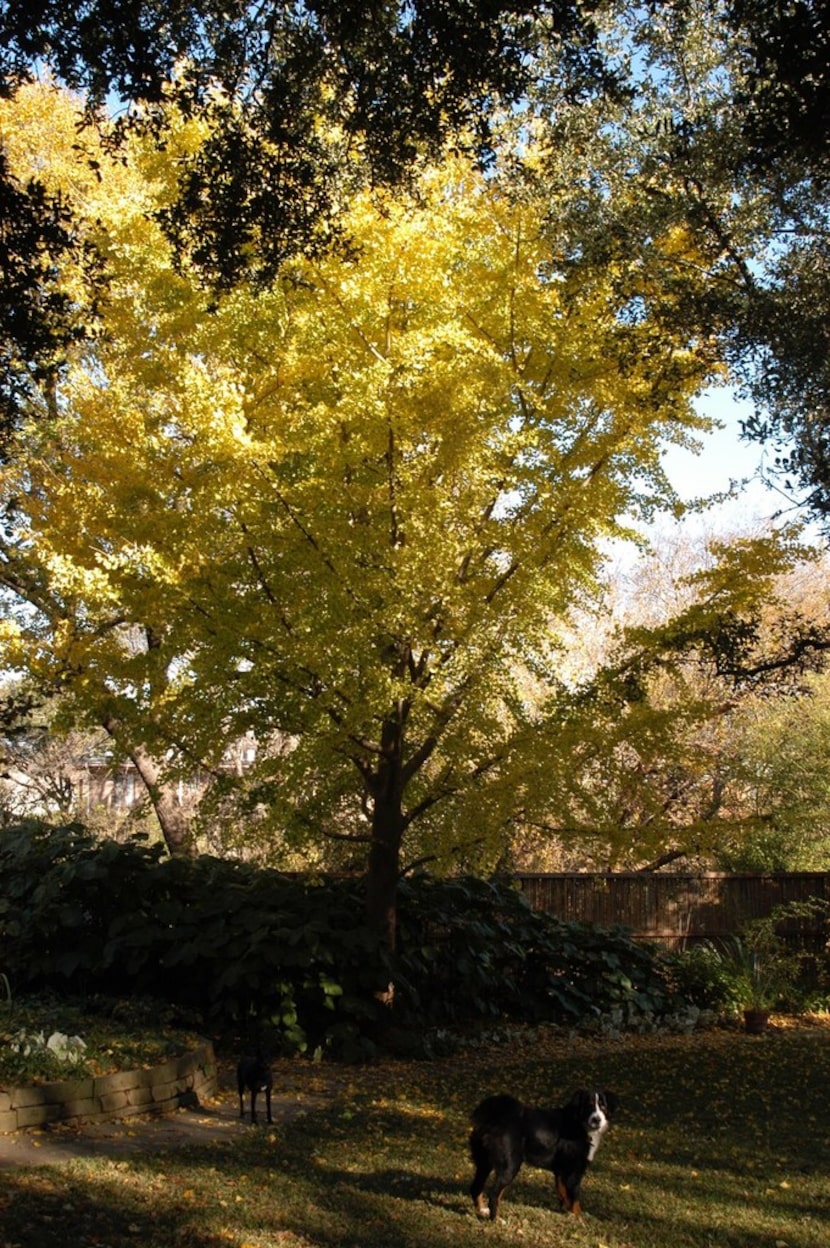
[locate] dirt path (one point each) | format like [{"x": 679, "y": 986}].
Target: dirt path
[{"x": 214, "y": 1121}]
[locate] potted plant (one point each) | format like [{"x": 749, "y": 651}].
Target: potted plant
[
  {"x": 758, "y": 973},
  {"x": 762, "y": 975},
  {"x": 759, "y": 969}
]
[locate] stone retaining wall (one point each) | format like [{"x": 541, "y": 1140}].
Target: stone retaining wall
[{"x": 106, "y": 1098}]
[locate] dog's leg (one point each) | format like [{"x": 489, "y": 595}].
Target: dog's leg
[
  {"x": 268, "y": 1102},
  {"x": 253, "y": 1105},
  {"x": 483, "y": 1165},
  {"x": 494, "y": 1153},
  {"x": 505, "y": 1174},
  {"x": 569, "y": 1196},
  {"x": 477, "y": 1189},
  {"x": 482, "y": 1208},
  {"x": 500, "y": 1187},
  {"x": 495, "y": 1201}
]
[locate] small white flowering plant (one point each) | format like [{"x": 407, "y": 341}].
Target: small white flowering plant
[
  {"x": 46, "y": 1038},
  {"x": 65, "y": 1048},
  {"x": 43, "y": 1055}
]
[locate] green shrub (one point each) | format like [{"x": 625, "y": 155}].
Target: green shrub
[
  {"x": 60, "y": 891},
  {"x": 763, "y": 966},
  {"x": 475, "y": 950},
  {"x": 702, "y": 976},
  {"x": 292, "y": 957}
]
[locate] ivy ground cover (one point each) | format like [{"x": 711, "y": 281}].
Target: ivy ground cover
[{"x": 721, "y": 1142}]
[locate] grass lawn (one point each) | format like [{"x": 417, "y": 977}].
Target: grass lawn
[{"x": 721, "y": 1141}]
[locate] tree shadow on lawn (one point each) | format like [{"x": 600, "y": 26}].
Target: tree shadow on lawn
[
  {"x": 68, "y": 1207},
  {"x": 756, "y": 1093},
  {"x": 397, "y": 1207},
  {"x": 440, "y": 1191},
  {"x": 674, "y": 1204}
]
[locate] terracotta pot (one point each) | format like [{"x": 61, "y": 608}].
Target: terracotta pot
[{"x": 755, "y": 1021}]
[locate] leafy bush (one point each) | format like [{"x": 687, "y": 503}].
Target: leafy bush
[
  {"x": 703, "y": 977},
  {"x": 292, "y": 957},
  {"x": 60, "y": 891},
  {"x": 761, "y": 967},
  {"x": 475, "y": 950},
  {"x": 234, "y": 942}
]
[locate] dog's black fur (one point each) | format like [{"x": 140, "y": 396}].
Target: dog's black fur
[
  {"x": 254, "y": 1074},
  {"x": 507, "y": 1133}
]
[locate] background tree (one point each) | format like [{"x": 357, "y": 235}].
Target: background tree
[
  {"x": 786, "y": 95},
  {"x": 40, "y": 763},
  {"x": 303, "y": 104},
  {"x": 712, "y": 136},
  {"x": 35, "y": 769},
  {"x": 669, "y": 710},
  {"x": 781, "y": 757},
  {"x": 780, "y": 736},
  {"x": 779, "y": 147}
]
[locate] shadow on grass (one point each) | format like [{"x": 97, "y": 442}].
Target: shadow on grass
[
  {"x": 56, "y": 1209},
  {"x": 399, "y": 1185},
  {"x": 680, "y": 1206},
  {"x": 720, "y": 1144}
]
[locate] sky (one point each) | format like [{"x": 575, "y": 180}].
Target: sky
[{"x": 725, "y": 458}]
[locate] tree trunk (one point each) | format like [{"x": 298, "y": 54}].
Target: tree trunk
[
  {"x": 384, "y": 870},
  {"x": 175, "y": 823},
  {"x": 387, "y": 835}
]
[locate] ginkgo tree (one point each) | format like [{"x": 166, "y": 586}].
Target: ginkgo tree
[{"x": 352, "y": 511}]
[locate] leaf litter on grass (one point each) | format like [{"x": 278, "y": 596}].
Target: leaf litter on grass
[{"x": 714, "y": 1147}]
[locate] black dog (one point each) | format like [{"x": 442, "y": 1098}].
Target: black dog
[
  {"x": 563, "y": 1140},
  {"x": 254, "y": 1073}
]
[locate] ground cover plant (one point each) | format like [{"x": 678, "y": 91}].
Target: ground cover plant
[
  {"x": 48, "y": 1037},
  {"x": 719, "y": 1143}
]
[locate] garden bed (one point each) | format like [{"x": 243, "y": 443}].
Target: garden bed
[
  {"x": 104, "y": 1098},
  {"x": 97, "y": 1061}
]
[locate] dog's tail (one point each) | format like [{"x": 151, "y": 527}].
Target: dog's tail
[{"x": 496, "y": 1111}]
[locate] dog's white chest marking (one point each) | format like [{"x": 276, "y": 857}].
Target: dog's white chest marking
[{"x": 597, "y": 1126}]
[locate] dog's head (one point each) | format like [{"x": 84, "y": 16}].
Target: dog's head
[{"x": 592, "y": 1109}]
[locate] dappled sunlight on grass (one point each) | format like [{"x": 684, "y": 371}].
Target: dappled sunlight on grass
[
  {"x": 720, "y": 1143},
  {"x": 683, "y": 1205}
]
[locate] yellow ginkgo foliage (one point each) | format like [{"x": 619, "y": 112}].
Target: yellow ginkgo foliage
[{"x": 350, "y": 512}]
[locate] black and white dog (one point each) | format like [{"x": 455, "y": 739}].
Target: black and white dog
[
  {"x": 564, "y": 1140},
  {"x": 254, "y": 1074}
]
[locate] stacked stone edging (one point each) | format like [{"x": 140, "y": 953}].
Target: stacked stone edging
[{"x": 106, "y": 1098}]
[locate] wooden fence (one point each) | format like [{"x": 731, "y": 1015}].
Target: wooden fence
[{"x": 672, "y": 909}]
